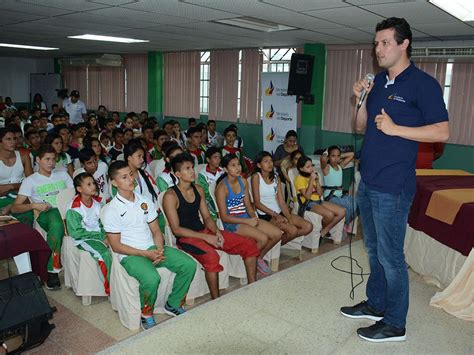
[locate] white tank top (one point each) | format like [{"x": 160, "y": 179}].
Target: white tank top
[
  {"x": 268, "y": 194},
  {"x": 12, "y": 174}
]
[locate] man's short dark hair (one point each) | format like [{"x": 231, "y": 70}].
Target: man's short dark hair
[
  {"x": 30, "y": 133},
  {"x": 192, "y": 130},
  {"x": 230, "y": 129},
  {"x": 59, "y": 127},
  {"x": 5, "y": 130},
  {"x": 401, "y": 28},
  {"x": 191, "y": 120},
  {"x": 210, "y": 121},
  {"x": 157, "y": 134},
  {"x": 55, "y": 116},
  {"x": 45, "y": 149},
  {"x": 115, "y": 167},
  {"x": 117, "y": 131},
  {"x": 168, "y": 123},
  {"x": 211, "y": 151},
  {"x": 177, "y": 161},
  {"x": 86, "y": 154}
]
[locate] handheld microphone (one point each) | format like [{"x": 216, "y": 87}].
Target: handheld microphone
[{"x": 369, "y": 77}]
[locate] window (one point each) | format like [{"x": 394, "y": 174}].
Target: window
[
  {"x": 277, "y": 60},
  {"x": 447, "y": 84},
  {"x": 204, "y": 82}
]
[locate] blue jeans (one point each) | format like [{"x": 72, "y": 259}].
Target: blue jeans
[
  {"x": 384, "y": 219},
  {"x": 346, "y": 202}
]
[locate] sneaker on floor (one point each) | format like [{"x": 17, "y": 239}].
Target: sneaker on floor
[
  {"x": 262, "y": 267},
  {"x": 361, "y": 310},
  {"x": 381, "y": 332},
  {"x": 173, "y": 311},
  {"x": 53, "y": 282},
  {"x": 148, "y": 322}
]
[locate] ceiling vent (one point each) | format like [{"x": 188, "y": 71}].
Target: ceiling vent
[
  {"x": 104, "y": 60},
  {"x": 461, "y": 52}
]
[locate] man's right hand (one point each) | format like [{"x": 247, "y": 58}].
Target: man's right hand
[{"x": 360, "y": 86}]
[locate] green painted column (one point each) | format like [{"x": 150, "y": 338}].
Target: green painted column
[
  {"x": 57, "y": 66},
  {"x": 155, "y": 83}
]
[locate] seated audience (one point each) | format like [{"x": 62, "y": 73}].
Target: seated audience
[
  {"x": 214, "y": 138},
  {"x": 332, "y": 164},
  {"x": 166, "y": 179},
  {"x": 308, "y": 187},
  {"x": 132, "y": 230},
  {"x": 63, "y": 159},
  {"x": 183, "y": 204},
  {"x": 117, "y": 148},
  {"x": 194, "y": 145},
  {"x": 98, "y": 169},
  {"x": 268, "y": 199},
  {"x": 83, "y": 224},
  {"x": 237, "y": 213},
  {"x": 38, "y": 192},
  {"x": 159, "y": 137},
  {"x": 289, "y": 145},
  {"x": 209, "y": 176},
  {"x": 13, "y": 169}
]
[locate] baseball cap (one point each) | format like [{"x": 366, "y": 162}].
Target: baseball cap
[{"x": 75, "y": 93}]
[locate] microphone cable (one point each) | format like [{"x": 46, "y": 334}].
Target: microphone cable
[{"x": 352, "y": 260}]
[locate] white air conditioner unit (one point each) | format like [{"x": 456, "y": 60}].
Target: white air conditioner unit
[
  {"x": 104, "y": 60},
  {"x": 459, "y": 52}
]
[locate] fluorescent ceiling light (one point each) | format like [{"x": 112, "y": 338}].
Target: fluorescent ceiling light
[
  {"x": 461, "y": 9},
  {"x": 108, "y": 38},
  {"x": 27, "y": 47},
  {"x": 255, "y": 24}
]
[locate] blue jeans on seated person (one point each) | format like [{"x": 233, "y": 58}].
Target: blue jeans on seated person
[
  {"x": 384, "y": 219},
  {"x": 348, "y": 203},
  {"x": 231, "y": 227}
]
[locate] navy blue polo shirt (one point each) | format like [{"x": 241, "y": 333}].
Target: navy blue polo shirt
[{"x": 414, "y": 99}]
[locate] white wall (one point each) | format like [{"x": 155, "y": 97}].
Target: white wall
[{"x": 15, "y": 75}]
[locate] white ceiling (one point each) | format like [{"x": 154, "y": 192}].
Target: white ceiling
[{"x": 174, "y": 25}]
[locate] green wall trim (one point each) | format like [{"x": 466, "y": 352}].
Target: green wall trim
[
  {"x": 155, "y": 83},
  {"x": 313, "y": 114},
  {"x": 57, "y": 66}
]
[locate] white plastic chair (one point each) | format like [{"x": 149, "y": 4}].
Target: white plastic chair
[
  {"x": 81, "y": 270},
  {"x": 156, "y": 167},
  {"x": 125, "y": 294},
  {"x": 198, "y": 286}
]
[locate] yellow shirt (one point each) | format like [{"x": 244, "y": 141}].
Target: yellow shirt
[{"x": 302, "y": 182}]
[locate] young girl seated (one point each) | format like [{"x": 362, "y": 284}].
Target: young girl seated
[
  {"x": 83, "y": 225},
  {"x": 63, "y": 159},
  {"x": 309, "y": 188},
  {"x": 94, "y": 144},
  {"x": 268, "y": 198},
  {"x": 237, "y": 213},
  {"x": 332, "y": 164}
]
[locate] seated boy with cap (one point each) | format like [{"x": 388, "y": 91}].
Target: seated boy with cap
[{"x": 131, "y": 223}]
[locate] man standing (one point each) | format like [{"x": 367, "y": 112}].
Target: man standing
[
  {"x": 405, "y": 106},
  {"x": 75, "y": 107}
]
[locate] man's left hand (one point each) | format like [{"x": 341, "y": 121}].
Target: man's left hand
[{"x": 385, "y": 124}]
